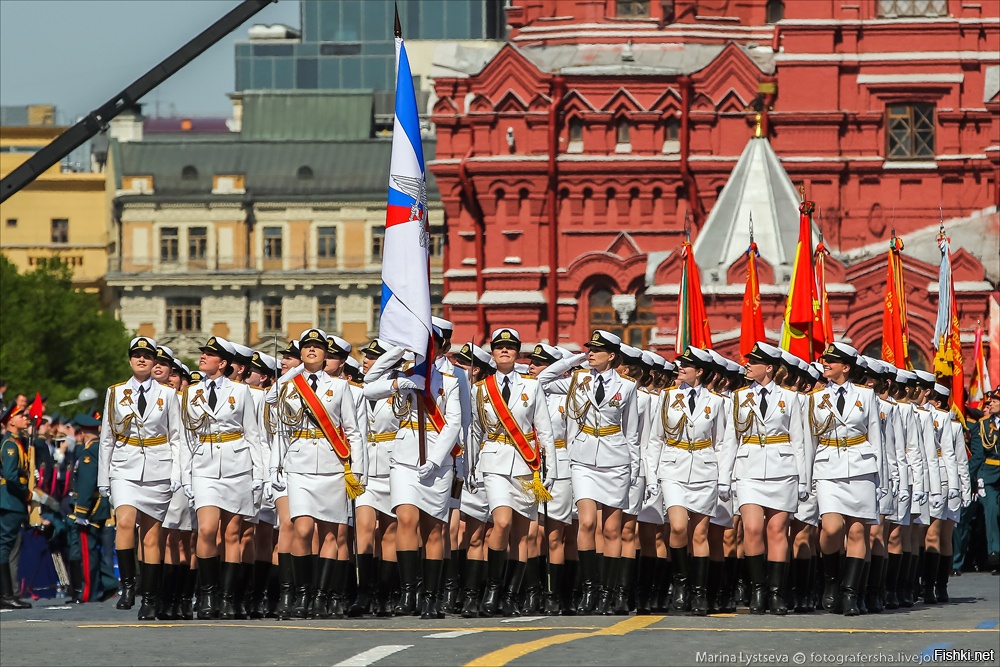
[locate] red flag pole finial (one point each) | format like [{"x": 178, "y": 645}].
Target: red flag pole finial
[{"x": 397, "y": 31}]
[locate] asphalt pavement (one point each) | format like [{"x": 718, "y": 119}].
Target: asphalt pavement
[{"x": 98, "y": 634}]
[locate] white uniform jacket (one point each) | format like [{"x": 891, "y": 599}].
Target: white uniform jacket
[
  {"x": 406, "y": 448},
  {"x": 131, "y": 454},
  {"x": 684, "y": 449},
  {"x": 382, "y": 427},
  {"x": 890, "y": 449},
  {"x": 764, "y": 446},
  {"x": 604, "y": 434},
  {"x": 938, "y": 430},
  {"x": 848, "y": 445},
  {"x": 226, "y": 441},
  {"x": 913, "y": 439},
  {"x": 308, "y": 452},
  {"x": 933, "y": 480},
  {"x": 491, "y": 450},
  {"x": 465, "y": 400},
  {"x": 962, "y": 461}
]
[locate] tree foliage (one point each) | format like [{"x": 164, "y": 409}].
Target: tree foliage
[{"x": 55, "y": 339}]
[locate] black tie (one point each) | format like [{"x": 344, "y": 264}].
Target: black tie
[
  {"x": 506, "y": 390},
  {"x": 599, "y": 394},
  {"x": 371, "y": 404},
  {"x": 763, "y": 402},
  {"x": 313, "y": 381},
  {"x": 212, "y": 398},
  {"x": 142, "y": 401},
  {"x": 691, "y": 401},
  {"x": 841, "y": 401}
]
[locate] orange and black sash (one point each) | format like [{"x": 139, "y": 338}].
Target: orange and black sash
[
  {"x": 517, "y": 436},
  {"x": 334, "y": 434}
]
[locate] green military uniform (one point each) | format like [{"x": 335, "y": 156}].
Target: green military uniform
[
  {"x": 90, "y": 512},
  {"x": 985, "y": 466},
  {"x": 963, "y": 529},
  {"x": 14, "y": 497},
  {"x": 14, "y": 494}
]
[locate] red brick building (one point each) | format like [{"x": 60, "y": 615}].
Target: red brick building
[{"x": 572, "y": 164}]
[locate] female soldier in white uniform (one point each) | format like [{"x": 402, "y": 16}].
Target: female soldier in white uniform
[
  {"x": 511, "y": 430},
  {"x": 764, "y": 460},
  {"x": 602, "y": 434},
  {"x": 559, "y": 510},
  {"x": 323, "y": 467},
  {"x": 278, "y": 433},
  {"x": 140, "y": 467},
  {"x": 846, "y": 436},
  {"x": 223, "y": 468},
  {"x": 374, "y": 521},
  {"x": 688, "y": 424},
  {"x": 474, "y": 507},
  {"x": 937, "y": 430},
  {"x": 421, "y": 475},
  {"x": 263, "y": 372}
]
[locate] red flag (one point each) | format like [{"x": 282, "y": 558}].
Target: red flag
[
  {"x": 980, "y": 374},
  {"x": 798, "y": 334},
  {"x": 692, "y": 320},
  {"x": 36, "y": 410},
  {"x": 752, "y": 324},
  {"x": 824, "y": 325},
  {"x": 895, "y": 335},
  {"x": 948, "y": 360}
]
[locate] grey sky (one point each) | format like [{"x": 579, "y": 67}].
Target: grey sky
[{"x": 77, "y": 54}]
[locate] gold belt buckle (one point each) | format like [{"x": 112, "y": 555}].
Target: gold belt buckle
[{"x": 762, "y": 439}]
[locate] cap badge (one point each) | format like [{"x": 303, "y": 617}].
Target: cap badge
[
  {"x": 596, "y": 336},
  {"x": 313, "y": 335},
  {"x": 830, "y": 349},
  {"x": 505, "y": 335},
  {"x": 142, "y": 343},
  {"x": 538, "y": 349}
]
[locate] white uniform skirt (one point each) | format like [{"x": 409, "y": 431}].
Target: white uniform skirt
[
  {"x": 150, "y": 498},
  {"x": 697, "y": 497},
  {"x": 901, "y": 512},
  {"x": 606, "y": 486},
  {"x": 560, "y": 508},
  {"x": 321, "y": 496},
  {"x": 377, "y": 495},
  {"x": 808, "y": 511},
  {"x": 854, "y": 497},
  {"x": 508, "y": 491},
  {"x": 636, "y": 494},
  {"x": 180, "y": 514},
  {"x": 887, "y": 505},
  {"x": 723, "y": 513},
  {"x": 653, "y": 510},
  {"x": 946, "y": 512},
  {"x": 230, "y": 494},
  {"x": 432, "y": 496},
  {"x": 258, "y": 504},
  {"x": 781, "y": 494},
  {"x": 476, "y": 505}
]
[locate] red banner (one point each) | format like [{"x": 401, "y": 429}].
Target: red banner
[
  {"x": 752, "y": 325},
  {"x": 895, "y": 337}
]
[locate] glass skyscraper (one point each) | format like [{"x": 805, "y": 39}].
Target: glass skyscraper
[{"x": 347, "y": 44}]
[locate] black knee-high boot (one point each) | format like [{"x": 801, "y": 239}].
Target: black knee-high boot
[
  {"x": 286, "y": 587},
  {"x": 552, "y": 604},
  {"x": 514, "y": 578},
  {"x": 941, "y": 584},
  {"x": 727, "y": 594},
  {"x": 453, "y": 569},
  {"x": 151, "y": 575},
  {"x": 892, "y": 572},
  {"x": 699, "y": 582},
  {"x": 679, "y": 563},
  {"x": 261, "y": 574},
  {"x": 567, "y": 595},
  {"x": 831, "y": 578},
  {"x": 873, "y": 585},
  {"x": 231, "y": 573},
  {"x": 929, "y": 568},
  {"x": 126, "y": 571},
  {"x": 776, "y": 573},
  {"x": 433, "y": 569},
  {"x": 302, "y": 575},
  {"x": 801, "y": 578},
  {"x": 366, "y": 586},
  {"x": 588, "y": 582},
  {"x": 851, "y": 584},
  {"x": 324, "y": 588},
  {"x": 208, "y": 588},
  {"x": 757, "y": 578},
  {"x": 475, "y": 573},
  {"x": 409, "y": 565},
  {"x": 714, "y": 587},
  {"x": 644, "y": 591},
  {"x": 496, "y": 564}
]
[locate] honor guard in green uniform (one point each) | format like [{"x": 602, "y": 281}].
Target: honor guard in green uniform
[
  {"x": 89, "y": 579},
  {"x": 985, "y": 468},
  {"x": 14, "y": 497}
]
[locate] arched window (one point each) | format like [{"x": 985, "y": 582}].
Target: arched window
[
  {"x": 775, "y": 11},
  {"x": 305, "y": 173},
  {"x": 623, "y": 132},
  {"x": 638, "y": 322},
  {"x": 919, "y": 360},
  {"x": 189, "y": 173}
]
